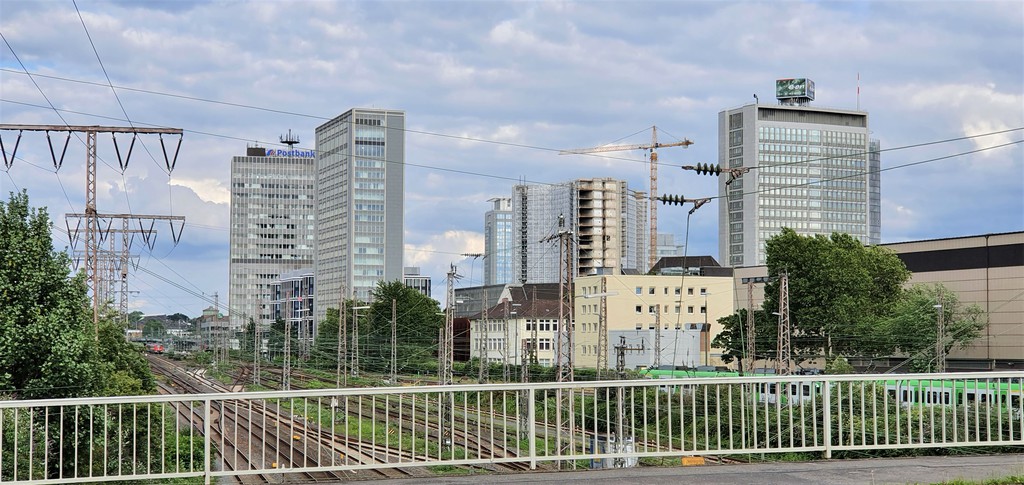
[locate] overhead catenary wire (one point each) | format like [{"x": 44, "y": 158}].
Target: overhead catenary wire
[{"x": 531, "y": 146}]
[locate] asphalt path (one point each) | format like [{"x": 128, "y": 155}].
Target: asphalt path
[{"x": 918, "y": 470}]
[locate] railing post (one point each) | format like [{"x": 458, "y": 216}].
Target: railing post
[
  {"x": 827, "y": 419},
  {"x": 531, "y": 412},
  {"x": 207, "y": 436}
]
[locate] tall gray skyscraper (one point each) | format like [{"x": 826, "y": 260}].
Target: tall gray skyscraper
[
  {"x": 816, "y": 173},
  {"x": 272, "y": 223},
  {"x": 360, "y": 193},
  {"x": 498, "y": 242},
  {"x": 608, "y": 218}
]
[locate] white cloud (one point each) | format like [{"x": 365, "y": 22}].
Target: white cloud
[
  {"x": 555, "y": 75},
  {"x": 208, "y": 190}
]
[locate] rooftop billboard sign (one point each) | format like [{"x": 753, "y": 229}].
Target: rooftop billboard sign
[{"x": 794, "y": 88}]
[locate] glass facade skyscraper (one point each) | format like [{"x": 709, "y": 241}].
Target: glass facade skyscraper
[
  {"x": 272, "y": 199},
  {"x": 360, "y": 187},
  {"x": 608, "y": 219},
  {"x": 498, "y": 242},
  {"x": 814, "y": 170}
]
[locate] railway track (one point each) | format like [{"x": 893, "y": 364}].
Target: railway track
[
  {"x": 473, "y": 443},
  {"x": 252, "y": 436}
]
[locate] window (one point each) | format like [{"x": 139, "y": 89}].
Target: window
[
  {"x": 639, "y": 290},
  {"x": 650, "y": 290},
  {"x": 689, "y": 291},
  {"x": 652, "y": 309},
  {"x": 639, "y": 309},
  {"x": 703, "y": 291},
  {"x": 689, "y": 310},
  {"x": 703, "y": 309}
]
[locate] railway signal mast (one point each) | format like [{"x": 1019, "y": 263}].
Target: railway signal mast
[{"x": 653, "y": 158}]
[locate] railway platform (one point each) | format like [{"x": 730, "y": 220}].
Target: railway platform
[{"x": 877, "y": 471}]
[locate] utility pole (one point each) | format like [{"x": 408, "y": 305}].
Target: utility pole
[
  {"x": 446, "y": 356},
  {"x": 342, "y": 376},
  {"x": 940, "y": 344},
  {"x": 483, "y": 343},
  {"x": 784, "y": 355},
  {"x": 355, "y": 339},
  {"x": 394, "y": 341},
  {"x": 620, "y": 369},
  {"x": 564, "y": 361},
  {"x": 91, "y": 214},
  {"x": 750, "y": 355},
  {"x": 602, "y": 331},
  {"x": 257, "y": 349},
  {"x": 286, "y": 370},
  {"x": 506, "y": 372},
  {"x": 657, "y": 338},
  {"x": 482, "y": 327}
]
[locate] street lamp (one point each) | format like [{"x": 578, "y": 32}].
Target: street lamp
[
  {"x": 602, "y": 334},
  {"x": 355, "y": 338}
]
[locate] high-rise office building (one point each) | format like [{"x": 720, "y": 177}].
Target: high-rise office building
[
  {"x": 498, "y": 242},
  {"x": 272, "y": 223},
  {"x": 608, "y": 219},
  {"x": 816, "y": 173},
  {"x": 360, "y": 193}
]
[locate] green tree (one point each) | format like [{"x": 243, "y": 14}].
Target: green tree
[
  {"x": 154, "y": 329},
  {"x": 125, "y": 370},
  {"x": 838, "y": 289},
  {"x": 47, "y": 338},
  {"x": 417, "y": 322},
  {"x": 134, "y": 317},
  {"x": 733, "y": 337},
  {"x": 912, "y": 327}
]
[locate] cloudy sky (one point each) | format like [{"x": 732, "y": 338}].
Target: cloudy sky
[{"x": 492, "y": 90}]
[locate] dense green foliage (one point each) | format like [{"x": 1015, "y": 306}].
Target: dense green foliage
[
  {"x": 837, "y": 289},
  {"x": 47, "y": 338},
  {"x": 847, "y": 299},
  {"x": 417, "y": 322},
  {"x": 49, "y": 347}
]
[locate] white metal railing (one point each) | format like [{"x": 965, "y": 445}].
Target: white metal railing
[{"x": 398, "y": 431}]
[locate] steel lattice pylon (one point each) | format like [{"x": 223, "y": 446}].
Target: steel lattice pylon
[
  {"x": 784, "y": 356},
  {"x": 564, "y": 359},
  {"x": 445, "y": 355},
  {"x": 92, "y": 215}
]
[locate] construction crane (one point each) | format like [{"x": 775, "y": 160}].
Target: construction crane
[{"x": 653, "y": 147}]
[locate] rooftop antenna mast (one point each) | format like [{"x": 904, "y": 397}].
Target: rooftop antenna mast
[{"x": 289, "y": 139}]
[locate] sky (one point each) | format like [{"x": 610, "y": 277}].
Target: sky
[{"x": 492, "y": 90}]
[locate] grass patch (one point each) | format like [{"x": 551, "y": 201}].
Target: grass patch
[{"x": 1010, "y": 480}]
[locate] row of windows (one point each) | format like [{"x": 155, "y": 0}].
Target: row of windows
[
  {"x": 651, "y": 290},
  {"x": 244, "y": 185},
  {"x": 799, "y": 135},
  {"x": 238, "y": 195},
  {"x": 653, "y": 309}
]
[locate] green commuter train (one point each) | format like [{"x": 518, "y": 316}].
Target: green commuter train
[{"x": 802, "y": 388}]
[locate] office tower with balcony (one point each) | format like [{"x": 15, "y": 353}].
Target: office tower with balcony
[{"x": 812, "y": 169}]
